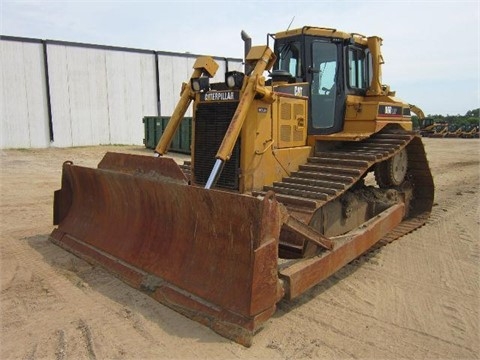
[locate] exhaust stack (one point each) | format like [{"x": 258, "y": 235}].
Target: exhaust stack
[{"x": 248, "y": 44}]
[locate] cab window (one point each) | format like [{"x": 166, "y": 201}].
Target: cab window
[
  {"x": 357, "y": 69},
  {"x": 323, "y": 84},
  {"x": 290, "y": 58}
]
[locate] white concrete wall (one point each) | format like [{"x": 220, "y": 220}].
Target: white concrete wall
[
  {"x": 23, "y": 100},
  {"x": 98, "y": 95}
]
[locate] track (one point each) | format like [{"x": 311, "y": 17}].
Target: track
[{"x": 328, "y": 175}]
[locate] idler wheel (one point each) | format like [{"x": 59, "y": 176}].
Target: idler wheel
[{"x": 392, "y": 172}]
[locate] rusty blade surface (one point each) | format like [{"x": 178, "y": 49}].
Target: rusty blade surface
[
  {"x": 216, "y": 249},
  {"x": 161, "y": 168}
]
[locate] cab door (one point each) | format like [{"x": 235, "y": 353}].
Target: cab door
[{"x": 327, "y": 95}]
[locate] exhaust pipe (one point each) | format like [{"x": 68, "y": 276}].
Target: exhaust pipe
[{"x": 248, "y": 44}]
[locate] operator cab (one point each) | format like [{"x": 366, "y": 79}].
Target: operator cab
[{"x": 334, "y": 67}]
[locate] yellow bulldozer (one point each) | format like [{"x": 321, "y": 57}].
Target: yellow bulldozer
[{"x": 275, "y": 198}]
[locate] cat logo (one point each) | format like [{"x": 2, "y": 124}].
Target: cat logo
[{"x": 298, "y": 91}]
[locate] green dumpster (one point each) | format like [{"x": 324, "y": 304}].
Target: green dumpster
[{"x": 154, "y": 127}]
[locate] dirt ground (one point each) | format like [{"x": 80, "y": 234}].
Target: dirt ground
[{"x": 417, "y": 298}]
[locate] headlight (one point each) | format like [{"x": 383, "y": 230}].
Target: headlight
[
  {"x": 234, "y": 79},
  {"x": 230, "y": 81},
  {"x": 200, "y": 84}
]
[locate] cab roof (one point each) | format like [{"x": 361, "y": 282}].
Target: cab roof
[{"x": 322, "y": 32}]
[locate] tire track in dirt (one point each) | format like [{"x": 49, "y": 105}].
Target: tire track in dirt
[
  {"x": 60, "y": 353},
  {"x": 72, "y": 341},
  {"x": 39, "y": 286},
  {"x": 88, "y": 338}
]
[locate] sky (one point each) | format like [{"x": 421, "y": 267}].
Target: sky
[{"x": 431, "y": 48}]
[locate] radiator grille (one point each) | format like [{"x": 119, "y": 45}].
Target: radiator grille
[
  {"x": 285, "y": 131},
  {"x": 211, "y": 123},
  {"x": 298, "y": 109},
  {"x": 297, "y": 135},
  {"x": 292, "y": 130},
  {"x": 286, "y": 111}
]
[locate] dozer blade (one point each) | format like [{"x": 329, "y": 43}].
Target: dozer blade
[{"x": 208, "y": 254}]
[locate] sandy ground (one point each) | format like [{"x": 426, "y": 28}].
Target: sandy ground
[{"x": 418, "y": 297}]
